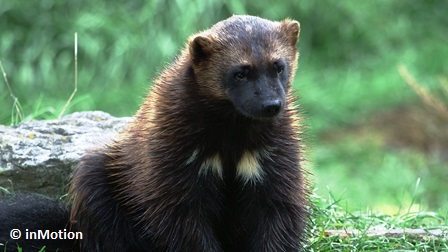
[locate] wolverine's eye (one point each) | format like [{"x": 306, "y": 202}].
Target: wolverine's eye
[
  {"x": 279, "y": 67},
  {"x": 241, "y": 73}
]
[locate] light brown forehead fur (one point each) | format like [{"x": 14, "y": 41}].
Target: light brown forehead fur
[{"x": 247, "y": 40}]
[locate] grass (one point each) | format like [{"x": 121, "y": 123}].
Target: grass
[
  {"x": 17, "y": 112},
  {"x": 367, "y": 173},
  {"x": 329, "y": 216}
]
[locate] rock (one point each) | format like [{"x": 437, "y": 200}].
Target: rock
[{"x": 38, "y": 156}]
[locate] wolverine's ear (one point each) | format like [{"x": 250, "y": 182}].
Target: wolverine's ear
[
  {"x": 201, "y": 47},
  {"x": 291, "y": 29}
]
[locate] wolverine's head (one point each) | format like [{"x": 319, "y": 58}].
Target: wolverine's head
[{"x": 248, "y": 60}]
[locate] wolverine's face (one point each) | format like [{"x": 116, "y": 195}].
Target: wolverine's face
[
  {"x": 249, "y": 61},
  {"x": 257, "y": 89}
]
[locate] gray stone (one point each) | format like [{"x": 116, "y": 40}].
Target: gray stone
[{"x": 38, "y": 156}]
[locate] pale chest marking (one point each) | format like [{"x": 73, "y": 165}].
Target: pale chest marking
[
  {"x": 211, "y": 164},
  {"x": 249, "y": 166}
]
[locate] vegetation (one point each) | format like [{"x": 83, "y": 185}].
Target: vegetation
[
  {"x": 335, "y": 229},
  {"x": 374, "y": 143}
]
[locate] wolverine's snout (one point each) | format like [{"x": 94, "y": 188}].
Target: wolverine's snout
[{"x": 271, "y": 108}]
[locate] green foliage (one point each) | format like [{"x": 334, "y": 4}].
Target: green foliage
[{"x": 349, "y": 50}]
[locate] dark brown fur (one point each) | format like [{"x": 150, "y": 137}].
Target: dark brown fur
[{"x": 198, "y": 170}]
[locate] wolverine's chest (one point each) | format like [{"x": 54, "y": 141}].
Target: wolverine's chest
[
  {"x": 232, "y": 158},
  {"x": 233, "y": 150},
  {"x": 244, "y": 165}
]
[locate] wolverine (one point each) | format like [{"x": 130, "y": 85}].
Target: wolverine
[{"x": 212, "y": 159}]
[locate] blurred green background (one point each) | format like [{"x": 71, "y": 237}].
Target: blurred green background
[{"x": 372, "y": 141}]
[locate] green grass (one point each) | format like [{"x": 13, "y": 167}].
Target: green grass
[
  {"x": 366, "y": 173},
  {"x": 329, "y": 215}
]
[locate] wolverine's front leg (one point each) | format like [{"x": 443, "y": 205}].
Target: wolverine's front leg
[
  {"x": 183, "y": 215},
  {"x": 272, "y": 211},
  {"x": 272, "y": 224}
]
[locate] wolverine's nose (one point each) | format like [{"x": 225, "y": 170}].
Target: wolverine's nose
[{"x": 271, "y": 108}]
